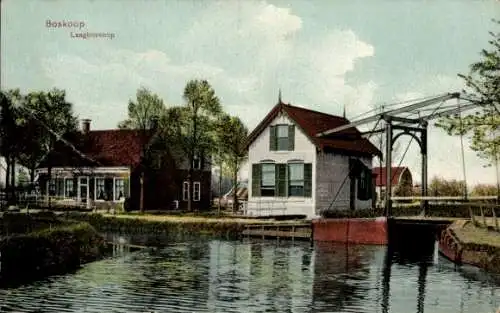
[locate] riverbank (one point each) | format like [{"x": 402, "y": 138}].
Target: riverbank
[
  {"x": 172, "y": 225},
  {"x": 33, "y": 247},
  {"x": 465, "y": 243}
]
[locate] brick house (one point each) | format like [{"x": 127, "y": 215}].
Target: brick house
[
  {"x": 401, "y": 180},
  {"x": 292, "y": 171},
  {"x": 106, "y": 168}
]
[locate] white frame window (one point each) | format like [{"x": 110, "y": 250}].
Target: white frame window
[
  {"x": 185, "y": 191},
  {"x": 97, "y": 184},
  {"x": 83, "y": 181},
  {"x": 118, "y": 185},
  {"x": 268, "y": 183},
  {"x": 196, "y": 191},
  {"x": 282, "y": 135},
  {"x": 295, "y": 179},
  {"x": 69, "y": 182}
]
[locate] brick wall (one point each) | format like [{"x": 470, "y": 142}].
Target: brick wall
[{"x": 358, "y": 231}]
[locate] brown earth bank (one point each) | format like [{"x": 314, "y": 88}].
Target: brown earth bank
[
  {"x": 35, "y": 246},
  {"x": 466, "y": 243}
]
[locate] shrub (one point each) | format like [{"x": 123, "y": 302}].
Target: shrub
[{"x": 49, "y": 251}]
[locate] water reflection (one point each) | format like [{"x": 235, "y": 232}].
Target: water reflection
[{"x": 259, "y": 276}]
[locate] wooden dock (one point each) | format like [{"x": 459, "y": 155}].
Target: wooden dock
[{"x": 300, "y": 230}]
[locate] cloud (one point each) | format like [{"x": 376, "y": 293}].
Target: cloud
[{"x": 247, "y": 50}]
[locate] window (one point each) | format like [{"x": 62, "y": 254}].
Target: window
[
  {"x": 185, "y": 191},
  {"x": 196, "y": 163},
  {"x": 52, "y": 187},
  {"x": 100, "y": 191},
  {"x": 119, "y": 191},
  {"x": 196, "y": 191},
  {"x": 282, "y": 137},
  {"x": 268, "y": 181},
  {"x": 69, "y": 188},
  {"x": 59, "y": 187},
  {"x": 296, "y": 179}
]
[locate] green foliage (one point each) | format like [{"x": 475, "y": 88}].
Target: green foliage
[
  {"x": 485, "y": 190},
  {"x": 483, "y": 88},
  {"x": 442, "y": 187},
  {"x": 404, "y": 188},
  {"x": 143, "y": 112},
  {"x": 26, "y": 120},
  {"x": 231, "y": 147},
  {"x": 173, "y": 228},
  {"x": 49, "y": 250},
  {"x": 202, "y": 109},
  {"x": 435, "y": 210}
]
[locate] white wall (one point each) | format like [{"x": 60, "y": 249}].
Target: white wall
[{"x": 259, "y": 151}]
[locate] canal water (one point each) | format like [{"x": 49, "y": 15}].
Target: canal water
[{"x": 207, "y": 275}]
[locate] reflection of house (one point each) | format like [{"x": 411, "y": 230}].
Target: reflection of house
[
  {"x": 401, "y": 180},
  {"x": 108, "y": 168},
  {"x": 292, "y": 171}
]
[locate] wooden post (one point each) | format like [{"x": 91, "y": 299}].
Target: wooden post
[
  {"x": 141, "y": 203},
  {"x": 472, "y": 219},
  {"x": 495, "y": 220},
  {"x": 482, "y": 216}
]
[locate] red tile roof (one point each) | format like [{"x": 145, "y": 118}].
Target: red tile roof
[
  {"x": 395, "y": 173},
  {"x": 313, "y": 122},
  {"x": 117, "y": 147}
]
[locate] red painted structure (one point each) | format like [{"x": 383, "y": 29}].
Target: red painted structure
[{"x": 351, "y": 230}]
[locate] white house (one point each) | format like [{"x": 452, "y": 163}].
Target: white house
[{"x": 292, "y": 171}]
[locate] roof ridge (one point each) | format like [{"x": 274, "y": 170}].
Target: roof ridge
[{"x": 318, "y": 112}]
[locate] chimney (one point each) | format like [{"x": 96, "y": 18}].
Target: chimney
[{"x": 85, "y": 126}]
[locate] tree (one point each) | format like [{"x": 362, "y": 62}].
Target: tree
[
  {"x": 440, "y": 187},
  {"x": 483, "y": 89},
  {"x": 220, "y": 155},
  {"x": 43, "y": 117},
  {"x": 8, "y": 131},
  {"x": 144, "y": 115},
  {"x": 234, "y": 146},
  {"x": 484, "y": 190},
  {"x": 202, "y": 109},
  {"x": 143, "y": 112}
]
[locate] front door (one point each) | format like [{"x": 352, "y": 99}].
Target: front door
[{"x": 83, "y": 189}]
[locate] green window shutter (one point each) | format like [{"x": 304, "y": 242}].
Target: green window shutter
[
  {"x": 307, "y": 180},
  {"x": 281, "y": 180},
  {"x": 256, "y": 177},
  {"x": 291, "y": 137},
  {"x": 273, "y": 140}
]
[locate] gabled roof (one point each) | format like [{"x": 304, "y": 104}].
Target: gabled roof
[
  {"x": 313, "y": 122},
  {"x": 395, "y": 173},
  {"x": 116, "y": 147}
]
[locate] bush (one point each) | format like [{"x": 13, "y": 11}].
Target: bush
[
  {"x": 166, "y": 227},
  {"x": 436, "y": 210},
  {"x": 49, "y": 251}
]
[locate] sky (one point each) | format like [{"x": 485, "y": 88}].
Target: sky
[{"x": 323, "y": 55}]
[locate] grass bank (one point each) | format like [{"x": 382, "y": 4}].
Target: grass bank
[
  {"x": 479, "y": 246},
  {"x": 45, "y": 246},
  {"x": 172, "y": 225}
]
